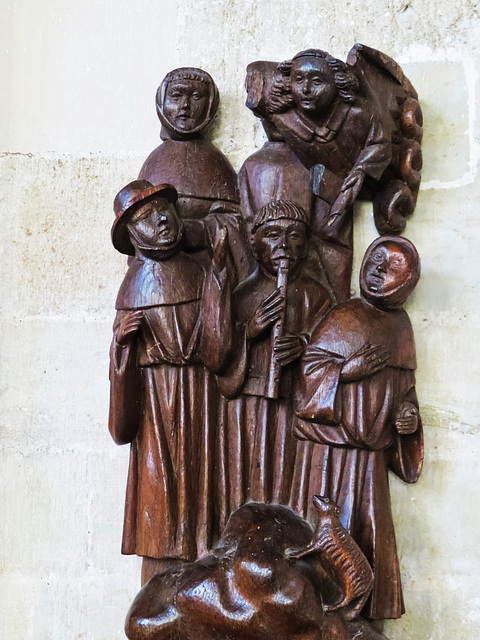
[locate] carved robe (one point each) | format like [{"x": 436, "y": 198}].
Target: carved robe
[
  {"x": 351, "y": 138},
  {"x": 358, "y": 443},
  {"x": 164, "y": 401},
  {"x": 275, "y": 173},
  {"x": 197, "y": 169},
  {"x": 203, "y": 177},
  {"x": 259, "y": 458}
]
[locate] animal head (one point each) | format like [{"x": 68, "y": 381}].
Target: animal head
[{"x": 326, "y": 505}]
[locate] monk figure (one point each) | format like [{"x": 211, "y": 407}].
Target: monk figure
[
  {"x": 357, "y": 400},
  {"x": 260, "y": 458},
  {"x": 172, "y": 329},
  {"x": 187, "y": 101}
]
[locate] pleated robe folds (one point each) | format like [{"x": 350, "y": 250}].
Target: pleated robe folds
[
  {"x": 164, "y": 399},
  {"x": 259, "y": 458},
  {"x": 353, "y": 424}
]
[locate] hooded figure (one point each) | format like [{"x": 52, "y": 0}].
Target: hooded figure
[
  {"x": 187, "y": 101},
  {"x": 172, "y": 330},
  {"x": 356, "y": 397}
]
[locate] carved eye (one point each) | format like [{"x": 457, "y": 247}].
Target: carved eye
[
  {"x": 377, "y": 257},
  {"x": 141, "y": 214},
  {"x": 272, "y": 235},
  {"x": 197, "y": 96},
  {"x": 298, "y": 78}
]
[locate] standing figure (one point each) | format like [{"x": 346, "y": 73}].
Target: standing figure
[
  {"x": 172, "y": 329},
  {"x": 274, "y": 172},
  {"x": 187, "y": 101},
  {"x": 318, "y": 112},
  {"x": 357, "y": 399},
  {"x": 260, "y": 459},
  {"x": 317, "y": 107}
]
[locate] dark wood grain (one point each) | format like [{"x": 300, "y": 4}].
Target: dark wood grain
[{"x": 258, "y": 398}]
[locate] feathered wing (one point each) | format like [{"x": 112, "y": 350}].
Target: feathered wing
[{"x": 383, "y": 82}]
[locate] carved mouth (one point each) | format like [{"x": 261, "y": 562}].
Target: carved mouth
[
  {"x": 375, "y": 282},
  {"x": 165, "y": 241}
]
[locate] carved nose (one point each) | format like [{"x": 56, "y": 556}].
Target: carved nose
[{"x": 185, "y": 105}]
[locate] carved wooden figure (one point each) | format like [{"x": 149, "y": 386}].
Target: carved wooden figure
[
  {"x": 256, "y": 397},
  {"x": 341, "y": 557},
  {"x": 187, "y": 101},
  {"x": 248, "y": 588},
  {"x": 357, "y": 400},
  {"x": 274, "y": 172},
  {"x": 260, "y": 458},
  {"x": 171, "y": 330},
  {"x": 357, "y": 127}
]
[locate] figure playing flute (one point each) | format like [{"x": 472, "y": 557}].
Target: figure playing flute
[{"x": 259, "y": 458}]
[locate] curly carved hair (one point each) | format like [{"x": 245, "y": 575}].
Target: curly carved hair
[{"x": 281, "y": 98}]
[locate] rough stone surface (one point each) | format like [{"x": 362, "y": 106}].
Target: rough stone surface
[{"x": 78, "y": 112}]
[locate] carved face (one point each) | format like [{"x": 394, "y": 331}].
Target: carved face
[
  {"x": 385, "y": 269},
  {"x": 154, "y": 228},
  {"x": 313, "y": 85},
  {"x": 280, "y": 240},
  {"x": 186, "y": 103}
]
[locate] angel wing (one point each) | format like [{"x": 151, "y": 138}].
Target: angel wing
[{"x": 382, "y": 80}]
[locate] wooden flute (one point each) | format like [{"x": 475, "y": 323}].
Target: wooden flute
[{"x": 274, "y": 371}]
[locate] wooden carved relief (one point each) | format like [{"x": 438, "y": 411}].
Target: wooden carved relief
[{"x": 265, "y": 407}]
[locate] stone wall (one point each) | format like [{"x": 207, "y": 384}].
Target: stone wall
[{"x": 77, "y": 105}]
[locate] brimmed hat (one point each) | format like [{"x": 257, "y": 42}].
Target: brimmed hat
[{"x": 127, "y": 202}]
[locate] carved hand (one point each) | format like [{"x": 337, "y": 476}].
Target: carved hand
[
  {"x": 366, "y": 361},
  {"x": 221, "y": 249},
  {"x": 266, "y": 314},
  {"x": 288, "y": 348},
  {"x": 406, "y": 418},
  {"x": 129, "y": 326},
  {"x": 348, "y": 193}
]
